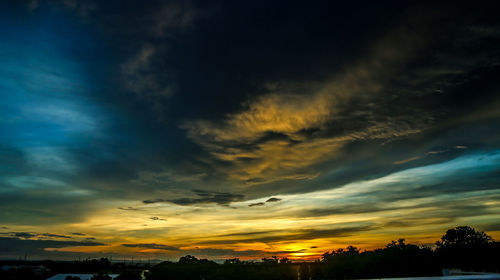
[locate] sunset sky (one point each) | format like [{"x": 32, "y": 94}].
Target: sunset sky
[{"x": 221, "y": 129}]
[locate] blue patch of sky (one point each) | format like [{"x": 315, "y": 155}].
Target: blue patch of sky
[
  {"x": 478, "y": 162},
  {"x": 47, "y": 104},
  {"x": 43, "y": 89}
]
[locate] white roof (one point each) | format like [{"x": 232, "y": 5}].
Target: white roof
[{"x": 82, "y": 276}]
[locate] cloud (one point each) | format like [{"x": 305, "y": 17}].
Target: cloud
[
  {"x": 140, "y": 77},
  {"x": 174, "y": 16},
  {"x": 314, "y": 122},
  {"x": 24, "y": 234},
  {"x": 407, "y": 160},
  {"x": 129, "y": 208},
  {"x": 227, "y": 253},
  {"x": 55, "y": 235},
  {"x": 295, "y": 235},
  {"x": 256, "y": 204},
  {"x": 50, "y": 206},
  {"x": 152, "y": 246},
  {"x": 140, "y": 72},
  {"x": 204, "y": 197},
  {"x": 430, "y": 153},
  {"x": 491, "y": 227},
  {"x": 156, "y": 200},
  {"x": 29, "y": 235},
  {"x": 12, "y": 244},
  {"x": 270, "y": 200}
]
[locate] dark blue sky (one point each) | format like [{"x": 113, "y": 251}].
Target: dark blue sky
[{"x": 140, "y": 125}]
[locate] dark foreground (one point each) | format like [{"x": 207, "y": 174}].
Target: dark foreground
[{"x": 461, "y": 248}]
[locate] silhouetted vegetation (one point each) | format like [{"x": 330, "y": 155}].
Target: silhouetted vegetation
[
  {"x": 397, "y": 259},
  {"x": 459, "y": 248},
  {"x": 468, "y": 249},
  {"x": 190, "y": 267}
]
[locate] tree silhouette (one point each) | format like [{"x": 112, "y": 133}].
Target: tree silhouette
[
  {"x": 271, "y": 260},
  {"x": 285, "y": 260},
  {"x": 188, "y": 260},
  {"x": 464, "y": 247},
  {"x": 463, "y": 236},
  {"x": 235, "y": 261}
]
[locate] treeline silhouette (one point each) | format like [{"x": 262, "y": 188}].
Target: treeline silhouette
[{"x": 460, "y": 248}]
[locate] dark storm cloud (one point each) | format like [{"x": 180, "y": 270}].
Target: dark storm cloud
[
  {"x": 204, "y": 197},
  {"x": 152, "y": 246}
]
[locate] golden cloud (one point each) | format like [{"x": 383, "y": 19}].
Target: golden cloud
[{"x": 241, "y": 137}]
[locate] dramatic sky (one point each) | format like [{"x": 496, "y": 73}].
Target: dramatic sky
[{"x": 157, "y": 129}]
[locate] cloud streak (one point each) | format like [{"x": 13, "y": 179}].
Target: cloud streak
[{"x": 204, "y": 197}]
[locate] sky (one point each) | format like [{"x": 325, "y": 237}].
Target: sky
[{"x": 222, "y": 129}]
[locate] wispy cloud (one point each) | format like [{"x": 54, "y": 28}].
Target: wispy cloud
[{"x": 152, "y": 246}]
